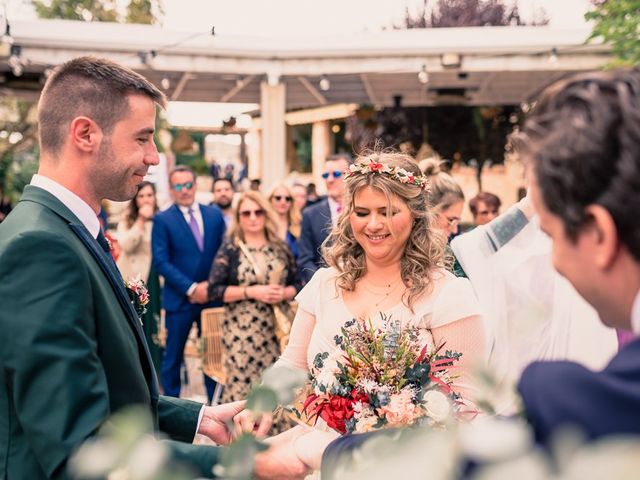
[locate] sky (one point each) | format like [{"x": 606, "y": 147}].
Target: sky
[
  {"x": 310, "y": 17},
  {"x": 326, "y": 17}
]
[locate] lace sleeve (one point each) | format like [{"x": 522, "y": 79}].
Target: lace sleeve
[
  {"x": 220, "y": 274},
  {"x": 295, "y": 354},
  {"x": 466, "y": 336}
]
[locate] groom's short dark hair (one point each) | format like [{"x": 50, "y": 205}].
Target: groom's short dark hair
[
  {"x": 92, "y": 87},
  {"x": 583, "y": 141}
]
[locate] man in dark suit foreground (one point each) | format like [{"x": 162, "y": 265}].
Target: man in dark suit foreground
[
  {"x": 72, "y": 350},
  {"x": 582, "y": 142}
]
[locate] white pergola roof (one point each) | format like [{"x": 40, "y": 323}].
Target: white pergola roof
[{"x": 497, "y": 65}]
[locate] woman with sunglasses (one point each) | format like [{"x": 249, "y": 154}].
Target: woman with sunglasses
[
  {"x": 288, "y": 217},
  {"x": 252, "y": 272}
]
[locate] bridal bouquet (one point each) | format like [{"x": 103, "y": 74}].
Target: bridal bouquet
[{"x": 380, "y": 378}]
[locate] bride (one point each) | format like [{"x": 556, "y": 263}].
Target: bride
[{"x": 383, "y": 257}]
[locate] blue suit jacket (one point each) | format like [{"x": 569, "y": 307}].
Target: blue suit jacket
[
  {"x": 599, "y": 403},
  {"x": 176, "y": 255},
  {"x": 316, "y": 226}
]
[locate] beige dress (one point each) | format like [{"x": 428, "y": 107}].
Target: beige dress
[{"x": 135, "y": 250}]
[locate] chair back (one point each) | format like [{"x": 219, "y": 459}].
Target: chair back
[{"x": 212, "y": 349}]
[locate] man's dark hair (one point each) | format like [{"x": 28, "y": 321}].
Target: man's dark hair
[
  {"x": 91, "y": 87},
  {"x": 182, "y": 168},
  {"x": 223, "y": 179},
  {"x": 583, "y": 139},
  {"x": 489, "y": 199}
]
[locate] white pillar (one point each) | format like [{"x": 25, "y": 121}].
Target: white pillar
[
  {"x": 320, "y": 149},
  {"x": 273, "y": 161}
]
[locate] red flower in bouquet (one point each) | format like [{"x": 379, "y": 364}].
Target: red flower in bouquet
[{"x": 338, "y": 409}]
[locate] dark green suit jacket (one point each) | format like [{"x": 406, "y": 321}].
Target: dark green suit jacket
[{"x": 72, "y": 351}]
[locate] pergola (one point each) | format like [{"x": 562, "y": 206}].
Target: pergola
[{"x": 315, "y": 79}]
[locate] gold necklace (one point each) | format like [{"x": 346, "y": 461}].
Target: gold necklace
[{"x": 391, "y": 287}]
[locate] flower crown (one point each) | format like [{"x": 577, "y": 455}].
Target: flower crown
[{"x": 372, "y": 167}]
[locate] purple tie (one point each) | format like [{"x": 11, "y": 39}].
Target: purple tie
[{"x": 195, "y": 229}]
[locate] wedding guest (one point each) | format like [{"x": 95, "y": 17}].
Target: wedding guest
[
  {"x": 312, "y": 195},
  {"x": 287, "y": 216},
  {"x": 255, "y": 184},
  {"x": 299, "y": 195},
  {"x": 484, "y": 207},
  {"x": 223, "y": 193},
  {"x": 253, "y": 271},
  {"x": 319, "y": 219},
  {"x": 134, "y": 237},
  {"x": 184, "y": 241},
  {"x": 445, "y": 196}
]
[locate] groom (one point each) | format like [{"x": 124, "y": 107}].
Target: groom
[
  {"x": 583, "y": 144},
  {"x": 72, "y": 350}
]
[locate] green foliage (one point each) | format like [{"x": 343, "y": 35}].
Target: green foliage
[
  {"x": 88, "y": 10},
  {"x": 617, "y": 22},
  {"x": 238, "y": 459},
  {"x": 18, "y": 145},
  {"x": 138, "y": 11}
]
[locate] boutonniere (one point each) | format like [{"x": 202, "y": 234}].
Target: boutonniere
[{"x": 139, "y": 295}]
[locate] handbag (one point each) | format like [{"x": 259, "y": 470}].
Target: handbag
[{"x": 283, "y": 313}]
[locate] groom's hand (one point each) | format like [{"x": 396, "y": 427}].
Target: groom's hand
[
  {"x": 216, "y": 420},
  {"x": 280, "y": 460}
]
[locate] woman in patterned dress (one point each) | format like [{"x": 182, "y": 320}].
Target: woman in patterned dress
[{"x": 252, "y": 271}]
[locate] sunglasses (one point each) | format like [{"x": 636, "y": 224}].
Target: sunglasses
[
  {"x": 335, "y": 173},
  {"x": 248, "y": 213},
  {"x": 178, "y": 187},
  {"x": 279, "y": 198}
]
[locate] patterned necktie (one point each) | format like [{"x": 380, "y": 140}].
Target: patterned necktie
[
  {"x": 104, "y": 243},
  {"x": 195, "y": 229}
]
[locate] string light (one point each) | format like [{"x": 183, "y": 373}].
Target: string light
[
  {"x": 423, "y": 75},
  {"x": 325, "y": 83},
  {"x": 553, "y": 56}
]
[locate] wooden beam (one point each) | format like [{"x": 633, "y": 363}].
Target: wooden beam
[
  {"x": 368, "y": 88},
  {"x": 313, "y": 91},
  {"x": 186, "y": 76},
  {"x": 237, "y": 88}
]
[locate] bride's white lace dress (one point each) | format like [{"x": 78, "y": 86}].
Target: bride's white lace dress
[{"x": 448, "y": 312}]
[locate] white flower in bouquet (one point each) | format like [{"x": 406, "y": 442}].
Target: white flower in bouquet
[
  {"x": 437, "y": 405},
  {"x": 365, "y": 416},
  {"x": 367, "y": 385}
]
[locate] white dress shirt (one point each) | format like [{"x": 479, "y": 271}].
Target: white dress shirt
[
  {"x": 635, "y": 315},
  {"x": 335, "y": 209},
  {"x": 78, "y": 207},
  {"x": 196, "y": 213}
]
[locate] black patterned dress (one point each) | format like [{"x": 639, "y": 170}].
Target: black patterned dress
[{"x": 249, "y": 338}]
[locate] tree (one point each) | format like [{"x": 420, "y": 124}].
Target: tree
[
  {"x": 87, "y": 10},
  {"x": 467, "y": 13},
  {"x": 137, "y": 11},
  {"x": 617, "y": 22},
  {"x": 18, "y": 143}
]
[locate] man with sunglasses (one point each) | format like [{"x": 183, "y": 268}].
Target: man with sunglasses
[
  {"x": 185, "y": 239},
  {"x": 318, "y": 219}
]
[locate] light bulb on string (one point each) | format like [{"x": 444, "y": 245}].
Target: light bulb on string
[
  {"x": 423, "y": 75},
  {"x": 325, "y": 83}
]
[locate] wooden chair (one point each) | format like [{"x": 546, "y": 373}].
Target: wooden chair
[{"x": 212, "y": 349}]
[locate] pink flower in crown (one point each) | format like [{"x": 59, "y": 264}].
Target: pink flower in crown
[{"x": 376, "y": 167}]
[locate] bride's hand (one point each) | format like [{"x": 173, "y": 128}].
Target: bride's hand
[{"x": 249, "y": 422}]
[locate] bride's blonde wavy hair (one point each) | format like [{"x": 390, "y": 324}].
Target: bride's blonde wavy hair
[{"x": 424, "y": 250}]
